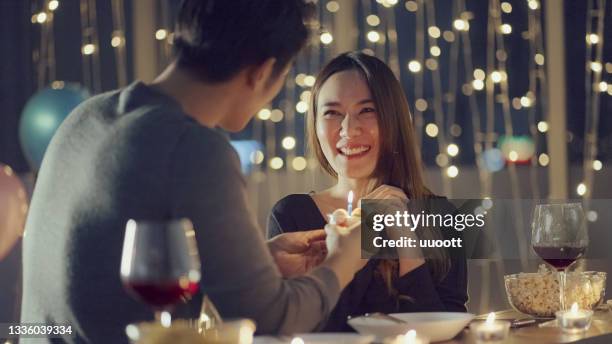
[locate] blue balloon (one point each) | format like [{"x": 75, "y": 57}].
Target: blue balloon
[{"x": 42, "y": 115}]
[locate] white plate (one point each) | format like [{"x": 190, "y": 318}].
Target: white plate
[
  {"x": 437, "y": 326},
  {"x": 319, "y": 338}
]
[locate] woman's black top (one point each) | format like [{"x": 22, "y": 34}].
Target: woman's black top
[{"x": 367, "y": 292}]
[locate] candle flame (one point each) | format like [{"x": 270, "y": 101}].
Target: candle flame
[
  {"x": 490, "y": 319},
  {"x": 297, "y": 340},
  {"x": 574, "y": 309},
  {"x": 350, "y": 196}
]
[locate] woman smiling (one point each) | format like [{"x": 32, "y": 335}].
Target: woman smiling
[{"x": 361, "y": 133}]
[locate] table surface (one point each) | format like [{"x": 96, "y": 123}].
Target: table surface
[
  {"x": 601, "y": 325},
  {"x": 534, "y": 334}
]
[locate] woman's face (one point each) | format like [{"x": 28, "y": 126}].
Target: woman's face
[{"x": 347, "y": 125}]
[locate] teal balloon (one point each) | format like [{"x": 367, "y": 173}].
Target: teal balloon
[{"x": 42, "y": 115}]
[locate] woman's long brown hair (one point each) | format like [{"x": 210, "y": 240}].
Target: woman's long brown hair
[{"x": 399, "y": 161}]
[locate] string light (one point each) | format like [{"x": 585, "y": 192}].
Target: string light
[
  {"x": 431, "y": 130},
  {"x": 596, "y": 66},
  {"x": 412, "y": 6},
  {"x": 581, "y": 189},
  {"x": 597, "y": 165},
  {"x": 543, "y": 159},
  {"x": 592, "y": 38},
  {"x": 506, "y": 29},
  {"x": 88, "y": 49},
  {"x": 387, "y": 3},
  {"x": 53, "y": 5},
  {"x": 434, "y": 31},
  {"x": 309, "y": 80},
  {"x": 414, "y": 66},
  {"x": 542, "y": 126},
  {"x": 448, "y": 36},
  {"x": 431, "y": 64},
  {"x": 526, "y": 101},
  {"x": 333, "y": 6},
  {"x": 479, "y": 74},
  {"x": 442, "y": 160},
  {"x": 301, "y": 107},
  {"x": 276, "y": 115},
  {"x": 116, "y": 41},
  {"x": 506, "y": 7},
  {"x": 539, "y": 59},
  {"x": 421, "y": 104},
  {"x": 478, "y": 84},
  {"x": 373, "y": 36},
  {"x": 592, "y": 215},
  {"x": 41, "y": 17},
  {"x": 603, "y": 86},
  {"x": 435, "y": 51},
  {"x": 299, "y": 79},
  {"x": 305, "y": 96},
  {"x": 326, "y": 38},
  {"x": 257, "y": 157},
  {"x": 276, "y": 163},
  {"x": 288, "y": 142},
  {"x": 533, "y": 4},
  {"x": 461, "y": 25},
  {"x": 299, "y": 163},
  {"x": 496, "y": 77},
  {"x": 452, "y": 149},
  {"x": 161, "y": 34},
  {"x": 452, "y": 171},
  {"x": 513, "y": 155},
  {"x": 373, "y": 20},
  {"x": 264, "y": 114},
  {"x": 455, "y": 130}
]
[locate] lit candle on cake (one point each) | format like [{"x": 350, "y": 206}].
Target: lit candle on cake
[{"x": 349, "y": 208}]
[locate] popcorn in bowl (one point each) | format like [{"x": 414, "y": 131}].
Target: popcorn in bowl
[{"x": 537, "y": 294}]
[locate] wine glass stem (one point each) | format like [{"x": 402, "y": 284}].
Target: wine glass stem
[{"x": 562, "y": 289}]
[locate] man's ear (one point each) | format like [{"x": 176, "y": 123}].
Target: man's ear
[{"x": 259, "y": 75}]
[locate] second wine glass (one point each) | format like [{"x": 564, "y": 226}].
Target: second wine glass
[{"x": 559, "y": 236}]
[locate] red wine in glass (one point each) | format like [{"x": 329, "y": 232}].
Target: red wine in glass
[
  {"x": 160, "y": 265},
  {"x": 163, "y": 294},
  {"x": 560, "y": 257}
]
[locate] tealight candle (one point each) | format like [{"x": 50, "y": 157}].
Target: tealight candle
[
  {"x": 409, "y": 337},
  {"x": 297, "y": 340},
  {"x": 574, "y": 320},
  {"x": 349, "y": 207},
  {"x": 490, "y": 331}
]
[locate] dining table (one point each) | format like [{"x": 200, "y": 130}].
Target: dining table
[{"x": 542, "y": 331}]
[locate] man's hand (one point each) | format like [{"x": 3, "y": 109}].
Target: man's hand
[{"x": 296, "y": 253}]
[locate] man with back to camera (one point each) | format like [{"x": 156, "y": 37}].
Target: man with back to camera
[{"x": 150, "y": 152}]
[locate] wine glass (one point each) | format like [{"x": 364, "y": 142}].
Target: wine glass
[
  {"x": 160, "y": 265},
  {"x": 559, "y": 236}
]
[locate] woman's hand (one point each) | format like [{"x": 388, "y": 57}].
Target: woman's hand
[{"x": 296, "y": 253}]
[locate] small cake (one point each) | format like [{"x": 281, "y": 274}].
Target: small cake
[{"x": 345, "y": 223}]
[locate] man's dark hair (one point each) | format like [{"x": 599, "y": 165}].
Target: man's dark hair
[{"x": 215, "y": 39}]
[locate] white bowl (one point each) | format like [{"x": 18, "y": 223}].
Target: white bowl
[{"x": 436, "y": 326}]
